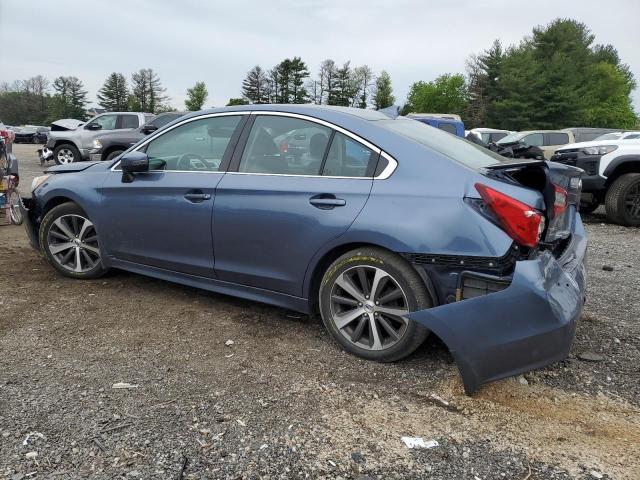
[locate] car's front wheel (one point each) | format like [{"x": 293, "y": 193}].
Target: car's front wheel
[
  {"x": 623, "y": 200},
  {"x": 365, "y": 296},
  {"x": 66, "y": 153},
  {"x": 69, "y": 240},
  {"x": 114, "y": 154}
]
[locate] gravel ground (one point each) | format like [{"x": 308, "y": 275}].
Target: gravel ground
[{"x": 283, "y": 401}]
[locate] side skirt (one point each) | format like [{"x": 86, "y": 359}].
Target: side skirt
[{"x": 233, "y": 289}]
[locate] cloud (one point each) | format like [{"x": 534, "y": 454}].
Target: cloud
[{"x": 218, "y": 42}]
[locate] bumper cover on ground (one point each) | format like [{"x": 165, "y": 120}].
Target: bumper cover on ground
[{"x": 528, "y": 325}]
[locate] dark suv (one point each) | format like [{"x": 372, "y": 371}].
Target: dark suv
[{"x": 111, "y": 144}]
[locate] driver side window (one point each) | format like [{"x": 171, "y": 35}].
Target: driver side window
[
  {"x": 197, "y": 146},
  {"x": 534, "y": 140},
  {"x": 106, "y": 122}
]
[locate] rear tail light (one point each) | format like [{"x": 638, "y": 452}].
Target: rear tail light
[
  {"x": 6, "y": 135},
  {"x": 560, "y": 200},
  {"x": 520, "y": 221}
]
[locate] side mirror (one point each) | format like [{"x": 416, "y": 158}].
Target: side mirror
[
  {"x": 147, "y": 129},
  {"x": 93, "y": 126},
  {"x": 133, "y": 162}
]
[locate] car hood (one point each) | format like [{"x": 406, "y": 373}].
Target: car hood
[
  {"x": 593, "y": 143},
  {"x": 67, "y": 123},
  {"x": 71, "y": 167}
]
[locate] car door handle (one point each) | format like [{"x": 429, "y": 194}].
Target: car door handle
[
  {"x": 197, "y": 197},
  {"x": 327, "y": 201}
]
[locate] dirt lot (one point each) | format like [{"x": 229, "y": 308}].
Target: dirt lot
[{"x": 283, "y": 401}]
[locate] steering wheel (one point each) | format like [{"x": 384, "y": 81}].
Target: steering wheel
[{"x": 191, "y": 161}]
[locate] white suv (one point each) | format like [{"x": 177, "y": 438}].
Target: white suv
[{"x": 612, "y": 176}]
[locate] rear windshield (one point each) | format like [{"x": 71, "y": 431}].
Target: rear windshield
[{"x": 456, "y": 148}]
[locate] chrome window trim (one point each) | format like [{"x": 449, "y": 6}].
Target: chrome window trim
[{"x": 386, "y": 173}]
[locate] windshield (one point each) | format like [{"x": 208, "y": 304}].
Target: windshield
[
  {"x": 512, "y": 137},
  {"x": 608, "y": 136},
  {"x": 456, "y": 148}
]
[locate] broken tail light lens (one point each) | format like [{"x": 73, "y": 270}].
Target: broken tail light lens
[
  {"x": 560, "y": 200},
  {"x": 520, "y": 221}
]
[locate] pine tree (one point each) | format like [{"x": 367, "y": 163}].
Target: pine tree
[
  {"x": 196, "y": 96},
  {"x": 327, "y": 79},
  {"x": 298, "y": 74},
  {"x": 383, "y": 96},
  {"x": 148, "y": 90},
  {"x": 114, "y": 94},
  {"x": 255, "y": 86},
  {"x": 71, "y": 98}
]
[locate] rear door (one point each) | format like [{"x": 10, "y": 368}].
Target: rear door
[
  {"x": 553, "y": 141},
  {"x": 274, "y": 210}
]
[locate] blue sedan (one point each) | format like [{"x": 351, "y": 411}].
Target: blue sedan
[{"x": 392, "y": 230}]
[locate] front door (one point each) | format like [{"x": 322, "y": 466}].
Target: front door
[
  {"x": 163, "y": 217},
  {"x": 297, "y": 184}
]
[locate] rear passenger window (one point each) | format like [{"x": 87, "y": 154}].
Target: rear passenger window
[
  {"x": 349, "y": 158},
  {"x": 447, "y": 127},
  {"x": 557, "y": 139},
  {"x": 128, "y": 121},
  {"x": 285, "y": 146}
]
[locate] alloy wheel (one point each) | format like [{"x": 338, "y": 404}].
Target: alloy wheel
[
  {"x": 15, "y": 204},
  {"x": 369, "y": 308},
  {"x": 73, "y": 243},
  {"x": 65, "y": 155},
  {"x": 632, "y": 202}
]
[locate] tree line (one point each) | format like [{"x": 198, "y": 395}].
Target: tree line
[
  {"x": 554, "y": 78},
  {"x": 290, "y": 82},
  {"x": 39, "y": 101}
]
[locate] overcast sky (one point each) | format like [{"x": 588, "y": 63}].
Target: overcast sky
[{"x": 217, "y": 42}]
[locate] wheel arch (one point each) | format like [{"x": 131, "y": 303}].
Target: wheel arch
[
  {"x": 620, "y": 166},
  {"x": 322, "y": 262},
  {"x": 112, "y": 148},
  {"x": 55, "y": 201}
]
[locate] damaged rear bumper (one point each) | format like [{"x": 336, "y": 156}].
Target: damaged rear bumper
[{"x": 528, "y": 325}]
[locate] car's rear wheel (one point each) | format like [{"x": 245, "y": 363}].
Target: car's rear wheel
[
  {"x": 66, "y": 153},
  {"x": 365, "y": 296},
  {"x": 69, "y": 240},
  {"x": 623, "y": 200}
]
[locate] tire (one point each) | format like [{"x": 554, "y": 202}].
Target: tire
[
  {"x": 64, "y": 226},
  {"x": 66, "y": 153},
  {"x": 114, "y": 154},
  {"x": 15, "y": 204},
  {"x": 400, "y": 289},
  {"x": 623, "y": 200}
]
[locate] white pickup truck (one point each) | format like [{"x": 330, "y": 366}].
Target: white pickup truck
[
  {"x": 612, "y": 175},
  {"x": 73, "y": 145}
]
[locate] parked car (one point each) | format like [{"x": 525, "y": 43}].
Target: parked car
[
  {"x": 586, "y": 134},
  {"x": 624, "y": 135},
  {"x": 7, "y": 135},
  {"x": 70, "y": 146},
  {"x": 109, "y": 145},
  {"x": 450, "y": 123},
  {"x": 612, "y": 176},
  {"x": 31, "y": 134},
  {"x": 432, "y": 234},
  {"x": 547, "y": 141},
  {"x": 490, "y": 135}
]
